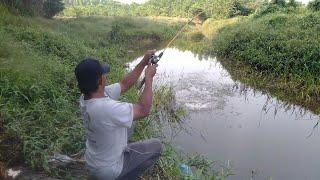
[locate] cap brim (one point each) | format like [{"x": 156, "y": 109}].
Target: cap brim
[{"x": 105, "y": 69}]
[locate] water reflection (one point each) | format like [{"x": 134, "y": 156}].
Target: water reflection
[{"x": 259, "y": 135}]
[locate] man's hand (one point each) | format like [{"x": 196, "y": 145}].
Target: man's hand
[
  {"x": 147, "y": 57},
  {"x": 131, "y": 78},
  {"x": 151, "y": 71}
]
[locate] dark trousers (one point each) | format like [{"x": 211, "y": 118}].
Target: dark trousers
[{"x": 139, "y": 157}]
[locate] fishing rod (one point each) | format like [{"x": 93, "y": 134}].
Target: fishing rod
[{"x": 156, "y": 58}]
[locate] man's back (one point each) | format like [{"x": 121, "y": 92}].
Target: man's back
[{"x": 106, "y": 121}]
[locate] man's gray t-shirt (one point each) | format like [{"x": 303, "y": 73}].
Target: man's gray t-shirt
[{"x": 106, "y": 121}]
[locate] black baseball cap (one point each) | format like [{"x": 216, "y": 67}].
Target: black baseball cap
[{"x": 88, "y": 73}]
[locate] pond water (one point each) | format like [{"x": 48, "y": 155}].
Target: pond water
[{"x": 236, "y": 126}]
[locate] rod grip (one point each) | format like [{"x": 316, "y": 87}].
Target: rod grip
[{"x": 142, "y": 83}]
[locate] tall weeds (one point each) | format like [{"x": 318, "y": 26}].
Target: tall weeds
[{"x": 38, "y": 93}]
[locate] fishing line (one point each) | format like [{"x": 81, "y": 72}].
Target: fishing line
[
  {"x": 181, "y": 30},
  {"x": 155, "y": 59}
]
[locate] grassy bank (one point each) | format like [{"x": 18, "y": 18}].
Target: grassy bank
[
  {"x": 39, "y": 113},
  {"x": 282, "y": 51}
]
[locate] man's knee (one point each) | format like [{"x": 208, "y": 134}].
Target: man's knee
[{"x": 157, "y": 146}]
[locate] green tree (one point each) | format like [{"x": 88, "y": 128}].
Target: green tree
[
  {"x": 173, "y": 8},
  {"x": 25, "y": 7},
  {"x": 279, "y": 2},
  {"x": 52, "y": 7},
  {"x": 314, "y": 5},
  {"x": 238, "y": 9},
  {"x": 293, "y": 3}
]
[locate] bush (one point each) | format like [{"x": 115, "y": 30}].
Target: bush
[
  {"x": 277, "y": 22},
  {"x": 267, "y": 9},
  {"x": 52, "y": 7},
  {"x": 202, "y": 17},
  {"x": 293, "y": 3},
  {"x": 278, "y": 6},
  {"x": 116, "y": 34},
  {"x": 26, "y": 7},
  {"x": 279, "y": 2},
  {"x": 46, "y": 8},
  {"x": 238, "y": 9},
  {"x": 314, "y": 5},
  {"x": 196, "y": 37}
]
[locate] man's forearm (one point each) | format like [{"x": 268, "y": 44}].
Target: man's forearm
[
  {"x": 131, "y": 78},
  {"x": 142, "y": 109},
  {"x": 147, "y": 95}
]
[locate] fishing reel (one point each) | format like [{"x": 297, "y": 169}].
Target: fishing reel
[{"x": 155, "y": 59}]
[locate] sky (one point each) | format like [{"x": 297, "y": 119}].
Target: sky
[{"x": 142, "y": 1}]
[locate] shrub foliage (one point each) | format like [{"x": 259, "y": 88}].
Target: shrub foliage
[
  {"x": 46, "y": 8},
  {"x": 280, "y": 44},
  {"x": 314, "y": 5}
]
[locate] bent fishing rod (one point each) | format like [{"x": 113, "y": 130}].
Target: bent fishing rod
[{"x": 156, "y": 58}]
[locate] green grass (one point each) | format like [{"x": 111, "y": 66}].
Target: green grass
[
  {"x": 282, "y": 48},
  {"x": 38, "y": 94},
  {"x": 39, "y": 112},
  {"x": 211, "y": 27}
]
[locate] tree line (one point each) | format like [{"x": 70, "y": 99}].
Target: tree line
[
  {"x": 85, "y": 2},
  {"x": 172, "y": 8},
  {"x": 46, "y": 8}
]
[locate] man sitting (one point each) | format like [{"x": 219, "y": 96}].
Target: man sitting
[{"x": 108, "y": 121}]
